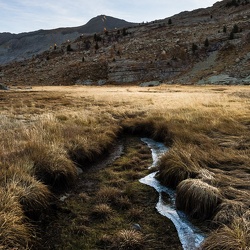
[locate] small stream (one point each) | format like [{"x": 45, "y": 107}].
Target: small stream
[{"x": 190, "y": 236}]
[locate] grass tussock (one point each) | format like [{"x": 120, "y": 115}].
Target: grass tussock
[
  {"x": 108, "y": 194},
  {"x": 229, "y": 210},
  {"x": 197, "y": 198},
  {"x": 128, "y": 240},
  {"x": 15, "y": 231},
  {"x": 32, "y": 194},
  {"x": 113, "y": 196},
  {"x": 85, "y": 150},
  {"x": 135, "y": 214},
  {"x": 102, "y": 212},
  {"x": 51, "y": 165},
  {"x": 177, "y": 165},
  {"x": 234, "y": 236}
]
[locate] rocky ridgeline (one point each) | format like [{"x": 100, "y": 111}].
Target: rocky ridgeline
[{"x": 209, "y": 45}]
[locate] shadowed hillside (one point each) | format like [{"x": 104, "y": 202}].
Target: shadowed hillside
[
  {"x": 203, "y": 46},
  {"x": 25, "y": 45}
]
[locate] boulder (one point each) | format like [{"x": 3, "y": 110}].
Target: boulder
[
  {"x": 150, "y": 84},
  {"x": 246, "y": 80},
  {"x": 3, "y": 87},
  {"x": 225, "y": 79},
  {"x": 101, "y": 82},
  {"x": 87, "y": 82}
]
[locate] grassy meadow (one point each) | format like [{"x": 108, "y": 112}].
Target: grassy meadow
[{"x": 48, "y": 133}]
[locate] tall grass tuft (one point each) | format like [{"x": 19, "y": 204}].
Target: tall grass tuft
[
  {"x": 86, "y": 148},
  {"x": 108, "y": 195},
  {"x": 235, "y": 236},
  {"x": 51, "y": 165},
  {"x": 197, "y": 198},
  {"x": 177, "y": 165},
  {"x": 32, "y": 194},
  {"x": 228, "y": 210},
  {"x": 102, "y": 212},
  {"x": 128, "y": 240},
  {"x": 15, "y": 232}
]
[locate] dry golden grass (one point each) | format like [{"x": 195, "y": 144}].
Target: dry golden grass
[
  {"x": 33, "y": 195},
  {"x": 51, "y": 165},
  {"x": 47, "y": 131},
  {"x": 234, "y": 236},
  {"x": 14, "y": 233}
]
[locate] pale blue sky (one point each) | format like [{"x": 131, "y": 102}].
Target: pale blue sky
[{"x": 18, "y": 16}]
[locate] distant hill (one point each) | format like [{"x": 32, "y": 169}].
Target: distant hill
[
  {"x": 208, "y": 45},
  {"x": 16, "y": 47}
]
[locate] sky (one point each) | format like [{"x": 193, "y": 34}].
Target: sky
[{"x": 18, "y": 16}]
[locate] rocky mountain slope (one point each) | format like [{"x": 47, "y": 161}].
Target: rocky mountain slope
[
  {"x": 209, "y": 45},
  {"x": 17, "y": 47}
]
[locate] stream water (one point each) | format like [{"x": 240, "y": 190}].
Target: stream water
[{"x": 190, "y": 236}]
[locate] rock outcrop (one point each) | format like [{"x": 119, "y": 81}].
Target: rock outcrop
[
  {"x": 225, "y": 80},
  {"x": 3, "y": 87}
]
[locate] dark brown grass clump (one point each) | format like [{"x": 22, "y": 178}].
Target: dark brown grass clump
[
  {"x": 86, "y": 147},
  {"x": 176, "y": 166},
  {"x": 235, "y": 236},
  {"x": 135, "y": 213},
  {"x": 153, "y": 127},
  {"x": 197, "y": 198},
  {"x": 102, "y": 212},
  {"x": 51, "y": 165},
  {"x": 128, "y": 240},
  {"x": 108, "y": 195},
  {"x": 229, "y": 210},
  {"x": 123, "y": 203}
]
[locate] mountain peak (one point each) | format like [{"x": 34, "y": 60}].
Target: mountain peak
[
  {"x": 24, "y": 45},
  {"x": 102, "y": 21}
]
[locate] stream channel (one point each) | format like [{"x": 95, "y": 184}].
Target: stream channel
[{"x": 190, "y": 236}]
